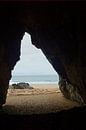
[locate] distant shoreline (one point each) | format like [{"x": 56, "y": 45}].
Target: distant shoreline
[
  {"x": 35, "y": 79},
  {"x": 36, "y": 83}
]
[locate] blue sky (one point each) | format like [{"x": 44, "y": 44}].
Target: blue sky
[{"x": 32, "y": 60}]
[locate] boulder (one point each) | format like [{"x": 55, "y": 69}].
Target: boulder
[{"x": 21, "y": 85}]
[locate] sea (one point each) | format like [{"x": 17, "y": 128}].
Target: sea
[{"x": 35, "y": 79}]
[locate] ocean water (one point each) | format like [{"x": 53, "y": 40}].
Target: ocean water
[{"x": 35, "y": 79}]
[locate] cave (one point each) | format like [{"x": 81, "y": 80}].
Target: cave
[{"x": 59, "y": 29}]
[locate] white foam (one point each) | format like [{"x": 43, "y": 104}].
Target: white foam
[{"x": 36, "y": 83}]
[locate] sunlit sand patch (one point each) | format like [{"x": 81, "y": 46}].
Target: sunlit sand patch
[
  {"x": 42, "y": 99},
  {"x": 37, "y": 89}
]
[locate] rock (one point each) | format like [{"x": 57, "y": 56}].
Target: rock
[
  {"x": 21, "y": 85},
  {"x": 69, "y": 91}
]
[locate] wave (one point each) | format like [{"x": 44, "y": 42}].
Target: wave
[{"x": 35, "y": 83}]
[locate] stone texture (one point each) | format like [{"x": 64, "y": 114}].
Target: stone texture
[
  {"x": 21, "y": 85},
  {"x": 70, "y": 92},
  {"x": 5, "y": 75}
]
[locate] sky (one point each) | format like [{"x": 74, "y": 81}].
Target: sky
[{"x": 32, "y": 60}]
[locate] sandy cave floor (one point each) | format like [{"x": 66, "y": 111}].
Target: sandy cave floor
[{"x": 44, "y": 98}]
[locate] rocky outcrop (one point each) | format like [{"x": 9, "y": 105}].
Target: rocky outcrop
[
  {"x": 21, "y": 85},
  {"x": 69, "y": 91},
  {"x": 58, "y": 29}
]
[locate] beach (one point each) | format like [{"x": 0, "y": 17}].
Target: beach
[{"x": 43, "y": 98}]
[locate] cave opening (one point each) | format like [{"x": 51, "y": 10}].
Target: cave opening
[
  {"x": 33, "y": 66},
  {"x": 65, "y": 25},
  {"x": 34, "y": 96}
]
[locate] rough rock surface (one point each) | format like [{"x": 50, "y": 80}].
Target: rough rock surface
[
  {"x": 59, "y": 29},
  {"x": 21, "y": 85},
  {"x": 70, "y": 91}
]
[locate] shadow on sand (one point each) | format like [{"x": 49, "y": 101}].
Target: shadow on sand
[{"x": 72, "y": 119}]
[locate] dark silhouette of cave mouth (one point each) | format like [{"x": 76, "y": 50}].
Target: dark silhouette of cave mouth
[
  {"x": 25, "y": 107},
  {"x": 48, "y": 104},
  {"x": 62, "y": 25}
]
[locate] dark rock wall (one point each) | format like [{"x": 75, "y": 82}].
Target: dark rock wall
[
  {"x": 59, "y": 30},
  {"x": 60, "y": 33},
  {"x": 11, "y": 34},
  {"x": 62, "y": 39}
]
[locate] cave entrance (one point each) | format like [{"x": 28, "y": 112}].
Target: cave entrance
[
  {"x": 33, "y": 66},
  {"x": 42, "y": 94}
]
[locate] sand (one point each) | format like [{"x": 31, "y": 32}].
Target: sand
[{"x": 44, "y": 98}]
